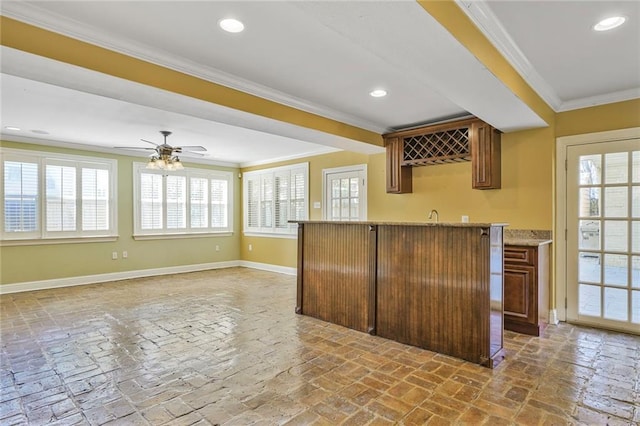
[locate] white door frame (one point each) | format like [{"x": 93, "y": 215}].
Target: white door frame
[
  {"x": 560, "y": 224},
  {"x": 357, "y": 168}
]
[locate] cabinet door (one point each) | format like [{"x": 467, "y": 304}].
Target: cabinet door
[
  {"x": 485, "y": 156},
  {"x": 520, "y": 299},
  {"x": 398, "y": 177}
]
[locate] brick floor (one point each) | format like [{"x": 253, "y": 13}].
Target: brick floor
[{"x": 225, "y": 347}]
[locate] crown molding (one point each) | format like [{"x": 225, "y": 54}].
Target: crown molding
[
  {"x": 483, "y": 17},
  {"x": 36, "y": 16},
  {"x": 609, "y": 98}
]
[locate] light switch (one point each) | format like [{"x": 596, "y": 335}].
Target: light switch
[{"x": 317, "y": 205}]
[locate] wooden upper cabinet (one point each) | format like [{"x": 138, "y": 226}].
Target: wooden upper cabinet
[
  {"x": 485, "y": 156},
  {"x": 452, "y": 142},
  {"x": 398, "y": 176}
]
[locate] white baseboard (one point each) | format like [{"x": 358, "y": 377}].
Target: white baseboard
[
  {"x": 268, "y": 267},
  {"x": 117, "y": 276},
  {"x": 113, "y": 276}
]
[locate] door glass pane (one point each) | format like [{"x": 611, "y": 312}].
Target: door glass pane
[
  {"x": 635, "y": 201},
  {"x": 589, "y": 299},
  {"x": 345, "y": 208},
  {"x": 636, "y": 166},
  {"x": 589, "y": 268},
  {"x": 615, "y": 201},
  {"x": 589, "y": 202},
  {"x": 354, "y": 187},
  {"x": 335, "y": 188},
  {"x": 616, "y": 167},
  {"x": 589, "y": 235},
  {"x": 590, "y": 169},
  {"x": 615, "y": 303},
  {"x": 615, "y": 232},
  {"x": 355, "y": 209},
  {"x": 635, "y": 236},
  {"x": 635, "y": 271},
  {"x": 335, "y": 208},
  {"x": 344, "y": 188},
  {"x": 615, "y": 269},
  {"x": 635, "y": 307}
]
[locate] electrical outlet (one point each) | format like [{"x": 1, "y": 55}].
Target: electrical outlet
[
  {"x": 217, "y": 248},
  {"x": 250, "y": 247},
  {"x": 125, "y": 254},
  {"x": 114, "y": 255},
  {"x": 465, "y": 219}
]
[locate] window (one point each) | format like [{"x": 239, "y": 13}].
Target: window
[
  {"x": 273, "y": 197},
  {"x": 181, "y": 202},
  {"x": 51, "y": 196}
]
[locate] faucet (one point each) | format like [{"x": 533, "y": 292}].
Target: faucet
[{"x": 431, "y": 214}]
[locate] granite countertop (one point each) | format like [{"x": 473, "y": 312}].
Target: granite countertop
[
  {"x": 527, "y": 237},
  {"x": 442, "y": 224}
]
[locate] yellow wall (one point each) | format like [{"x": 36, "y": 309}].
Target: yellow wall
[
  {"x": 525, "y": 202},
  {"x": 51, "y": 261},
  {"x": 620, "y": 115}
]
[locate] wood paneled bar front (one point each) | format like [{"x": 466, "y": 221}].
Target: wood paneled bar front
[{"x": 438, "y": 286}]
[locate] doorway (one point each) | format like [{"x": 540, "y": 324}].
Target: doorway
[
  {"x": 345, "y": 193},
  {"x": 602, "y": 247}
]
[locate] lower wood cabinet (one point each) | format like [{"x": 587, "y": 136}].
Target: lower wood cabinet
[{"x": 526, "y": 288}]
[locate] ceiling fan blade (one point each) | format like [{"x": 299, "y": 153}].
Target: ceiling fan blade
[
  {"x": 191, "y": 148},
  {"x": 134, "y": 147},
  {"x": 152, "y": 143}
]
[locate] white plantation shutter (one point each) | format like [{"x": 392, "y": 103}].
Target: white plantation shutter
[
  {"x": 21, "y": 201},
  {"x": 176, "y": 193},
  {"x": 298, "y": 198},
  {"x": 273, "y": 197},
  {"x": 151, "y": 201},
  {"x": 281, "y": 212},
  {"x": 60, "y": 198},
  {"x": 95, "y": 199},
  {"x": 219, "y": 203},
  {"x": 252, "y": 202},
  {"x": 199, "y": 197},
  {"x": 189, "y": 201},
  {"x": 55, "y": 196},
  {"x": 266, "y": 201}
]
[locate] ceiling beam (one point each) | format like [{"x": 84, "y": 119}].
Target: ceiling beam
[
  {"x": 454, "y": 20},
  {"x": 28, "y": 38}
]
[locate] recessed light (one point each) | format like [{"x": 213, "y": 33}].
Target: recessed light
[
  {"x": 12, "y": 128},
  {"x": 378, "y": 93},
  {"x": 609, "y": 23},
  {"x": 231, "y": 25}
]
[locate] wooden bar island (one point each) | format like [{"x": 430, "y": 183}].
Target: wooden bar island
[{"x": 438, "y": 286}]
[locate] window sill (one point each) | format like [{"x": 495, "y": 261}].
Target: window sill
[
  {"x": 142, "y": 237},
  {"x": 271, "y": 235},
  {"x": 71, "y": 240}
]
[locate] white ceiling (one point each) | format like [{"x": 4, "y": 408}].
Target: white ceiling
[{"x": 322, "y": 57}]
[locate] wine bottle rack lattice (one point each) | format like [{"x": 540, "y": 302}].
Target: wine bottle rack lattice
[{"x": 447, "y": 146}]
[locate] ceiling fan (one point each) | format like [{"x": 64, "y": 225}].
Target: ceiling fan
[{"x": 165, "y": 157}]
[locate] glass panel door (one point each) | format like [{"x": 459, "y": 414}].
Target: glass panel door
[
  {"x": 345, "y": 194},
  {"x": 603, "y": 234}
]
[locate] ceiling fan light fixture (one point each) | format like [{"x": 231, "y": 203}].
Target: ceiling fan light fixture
[
  {"x": 231, "y": 25},
  {"x": 609, "y": 23}
]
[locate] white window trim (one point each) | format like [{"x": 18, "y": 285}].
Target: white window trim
[
  {"x": 42, "y": 236},
  {"x": 273, "y": 232},
  {"x": 361, "y": 169},
  {"x": 188, "y": 172}
]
